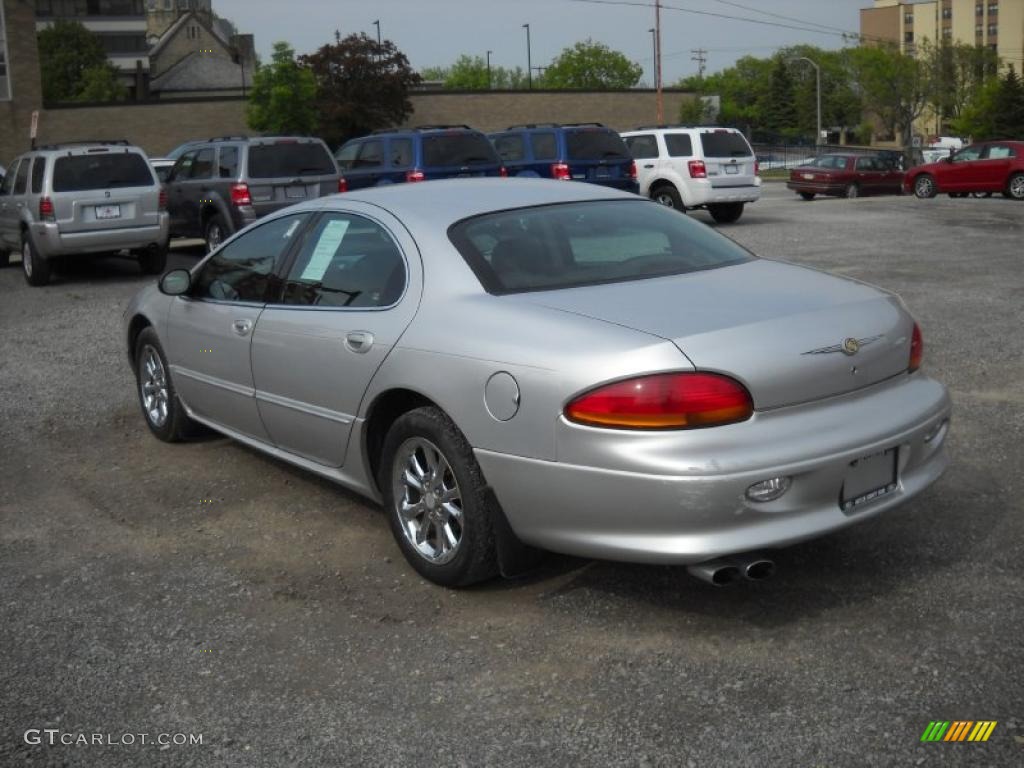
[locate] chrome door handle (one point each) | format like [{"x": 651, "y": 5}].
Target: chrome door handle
[
  {"x": 359, "y": 341},
  {"x": 242, "y": 327},
  {"x": 648, "y": 165}
]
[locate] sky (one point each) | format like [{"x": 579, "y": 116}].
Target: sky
[{"x": 436, "y": 32}]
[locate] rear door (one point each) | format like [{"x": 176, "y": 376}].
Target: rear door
[
  {"x": 994, "y": 167},
  {"x": 458, "y": 154},
  {"x": 869, "y": 175},
  {"x": 195, "y": 191},
  {"x": 728, "y": 158},
  {"x": 282, "y": 172},
  {"x": 598, "y": 155},
  {"x": 103, "y": 188},
  {"x": 176, "y": 189},
  {"x": 368, "y": 165},
  {"x": 644, "y": 150}
]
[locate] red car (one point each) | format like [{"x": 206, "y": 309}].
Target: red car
[
  {"x": 846, "y": 176},
  {"x": 991, "y": 166}
]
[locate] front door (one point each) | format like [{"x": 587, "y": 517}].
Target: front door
[
  {"x": 9, "y": 212},
  {"x": 177, "y": 202},
  {"x": 210, "y": 331},
  {"x": 349, "y": 294},
  {"x": 961, "y": 173}
]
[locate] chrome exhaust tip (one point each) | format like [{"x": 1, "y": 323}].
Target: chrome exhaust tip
[
  {"x": 753, "y": 566},
  {"x": 718, "y": 573}
]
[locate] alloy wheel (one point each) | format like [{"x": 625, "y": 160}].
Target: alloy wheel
[
  {"x": 153, "y": 386},
  {"x": 1017, "y": 187},
  {"x": 924, "y": 187},
  {"x": 26, "y": 258},
  {"x": 428, "y": 501},
  {"x": 664, "y": 198}
]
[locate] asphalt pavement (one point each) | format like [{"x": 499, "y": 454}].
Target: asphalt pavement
[{"x": 206, "y": 589}]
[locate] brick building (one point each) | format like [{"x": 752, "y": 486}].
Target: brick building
[{"x": 20, "y": 86}]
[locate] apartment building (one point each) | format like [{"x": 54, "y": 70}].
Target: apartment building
[{"x": 996, "y": 24}]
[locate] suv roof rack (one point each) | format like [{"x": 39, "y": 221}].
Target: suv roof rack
[
  {"x": 582, "y": 125},
  {"x": 440, "y": 127},
  {"x": 227, "y": 138},
  {"x": 88, "y": 142},
  {"x": 664, "y": 125},
  {"x": 533, "y": 125}
]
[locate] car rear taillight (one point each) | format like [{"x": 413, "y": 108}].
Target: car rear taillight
[
  {"x": 342, "y": 184},
  {"x": 632, "y": 170},
  {"x": 663, "y": 401},
  {"x": 916, "y": 349},
  {"x": 415, "y": 175},
  {"x": 240, "y": 194},
  {"x": 757, "y": 167},
  {"x": 560, "y": 171},
  {"x": 697, "y": 169},
  {"x": 503, "y": 172},
  {"x": 162, "y": 200},
  {"x": 46, "y": 212}
]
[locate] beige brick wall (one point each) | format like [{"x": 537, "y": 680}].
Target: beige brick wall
[{"x": 23, "y": 69}]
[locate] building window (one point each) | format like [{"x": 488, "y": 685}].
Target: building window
[
  {"x": 5, "y": 81},
  {"x": 993, "y": 9},
  {"x": 947, "y": 13},
  {"x": 979, "y": 10},
  {"x": 908, "y": 37},
  {"x": 908, "y": 18},
  {"x": 947, "y": 32},
  {"x": 979, "y": 30},
  {"x": 993, "y": 30},
  {"x": 192, "y": 31}
]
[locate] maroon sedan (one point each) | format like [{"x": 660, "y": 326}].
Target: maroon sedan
[
  {"x": 846, "y": 176},
  {"x": 991, "y": 166}
]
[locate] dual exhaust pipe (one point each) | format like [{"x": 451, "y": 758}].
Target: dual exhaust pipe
[{"x": 726, "y": 570}]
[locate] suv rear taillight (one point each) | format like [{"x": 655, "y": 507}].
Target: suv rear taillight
[
  {"x": 560, "y": 171},
  {"x": 632, "y": 170},
  {"x": 342, "y": 184},
  {"x": 697, "y": 169},
  {"x": 664, "y": 401},
  {"x": 46, "y": 212},
  {"x": 916, "y": 349},
  {"x": 240, "y": 194},
  {"x": 757, "y": 167},
  {"x": 503, "y": 172},
  {"x": 161, "y": 204},
  {"x": 415, "y": 175}
]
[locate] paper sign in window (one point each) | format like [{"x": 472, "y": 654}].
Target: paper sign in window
[{"x": 326, "y": 247}]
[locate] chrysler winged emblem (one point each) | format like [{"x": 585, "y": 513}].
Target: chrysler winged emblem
[{"x": 849, "y": 346}]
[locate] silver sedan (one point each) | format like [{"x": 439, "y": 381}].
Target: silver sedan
[{"x": 515, "y": 365}]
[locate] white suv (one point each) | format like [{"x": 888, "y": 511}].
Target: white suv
[{"x": 688, "y": 168}]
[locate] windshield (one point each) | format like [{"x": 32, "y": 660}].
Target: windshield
[
  {"x": 101, "y": 171},
  {"x": 724, "y": 144},
  {"x": 576, "y": 244},
  {"x": 465, "y": 148},
  {"x": 289, "y": 159},
  {"x": 599, "y": 144}
]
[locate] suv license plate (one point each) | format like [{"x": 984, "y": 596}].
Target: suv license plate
[
  {"x": 108, "y": 211},
  {"x": 868, "y": 478},
  {"x": 295, "y": 193},
  {"x": 603, "y": 173},
  {"x": 732, "y": 169}
]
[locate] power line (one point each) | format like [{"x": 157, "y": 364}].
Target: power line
[
  {"x": 780, "y": 16},
  {"x": 700, "y": 55}
]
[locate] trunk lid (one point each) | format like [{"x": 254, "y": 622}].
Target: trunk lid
[{"x": 776, "y": 327}]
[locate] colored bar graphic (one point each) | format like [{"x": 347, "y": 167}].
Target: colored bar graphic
[{"x": 959, "y": 730}]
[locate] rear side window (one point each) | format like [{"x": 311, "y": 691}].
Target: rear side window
[
  {"x": 544, "y": 146},
  {"x": 510, "y": 147},
  {"x": 679, "y": 144},
  {"x": 101, "y": 171},
  {"x": 21, "y": 182},
  {"x": 289, "y": 159},
  {"x": 8, "y": 183},
  {"x": 642, "y": 147},
  {"x": 227, "y": 165},
  {"x": 38, "y": 170},
  {"x": 577, "y": 244},
  {"x": 458, "y": 149},
  {"x": 995, "y": 152},
  {"x": 724, "y": 144},
  {"x": 595, "y": 145},
  {"x": 401, "y": 153}
]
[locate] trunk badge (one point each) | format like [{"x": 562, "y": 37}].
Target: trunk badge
[{"x": 849, "y": 346}]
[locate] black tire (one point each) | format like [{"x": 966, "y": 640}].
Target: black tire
[
  {"x": 1015, "y": 186},
  {"x": 806, "y": 195},
  {"x": 474, "y": 557},
  {"x": 176, "y": 426},
  {"x": 5, "y": 258},
  {"x": 668, "y": 195},
  {"x": 153, "y": 261},
  {"x": 981, "y": 195},
  {"x": 852, "y": 191},
  {"x": 215, "y": 232},
  {"x": 726, "y": 213},
  {"x": 924, "y": 186},
  {"x": 957, "y": 195},
  {"x": 34, "y": 267}
]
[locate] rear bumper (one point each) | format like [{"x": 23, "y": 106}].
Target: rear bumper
[
  {"x": 50, "y": 241},
  {"x": 680, "y": 498},
  {"x": 700, "y": 192}
]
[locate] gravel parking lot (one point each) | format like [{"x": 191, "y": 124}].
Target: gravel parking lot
[{"x": 206, "y": 589}]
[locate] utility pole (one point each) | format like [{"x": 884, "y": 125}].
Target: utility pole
[
  {"x": 654, "y": 57},
  {"x": 657, "y": 61},
  {"x": 377, "y": 25},
  {"x": 529, "y": 62},
  {"x": 489, "y": 69},
  {"x": 700, "y": 55},
  {"x": 540, "y": 73}
]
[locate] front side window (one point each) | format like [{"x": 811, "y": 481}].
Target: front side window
[
  {"x": 371, "y": 155},
  {"x": 968, "y": 154},
  {"x": 679, "y": 144},
  {"x": 183, "y": 167},
  {"x": 510, "y": 147},
  {"x": 346, "y": 156},
  {"x": 577, "y": 244},
  {"x": 8, "y": 185},
  {"x": 346, "y": 261},
  {"x": 642, "y": 147},
  {"x": 202, "y": 166},
  {"x": 241, "y": 270}
]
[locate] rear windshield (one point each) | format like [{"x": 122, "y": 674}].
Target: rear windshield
[
  {"x": 724, "y": 144},
  {"x": 275, "y": 161},
  {"x": 458, "y": 149},
  {"x": 576, "y": 244},
  {"x": 596, "y": 145},
  {"x": 101, "y": 171}
]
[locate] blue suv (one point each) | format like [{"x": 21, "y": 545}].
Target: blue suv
[
  {"x": 572, "y": 152},
  {"x": 396, "y": 156}
]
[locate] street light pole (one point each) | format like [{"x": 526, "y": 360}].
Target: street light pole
[
  {"x": 817, "y": 78},
  {"x": 489, "y": 69},
  {"x": 529, "y": 62},
  {"x": 657, "y": 61},
  {"x": 377, "y": 25}
]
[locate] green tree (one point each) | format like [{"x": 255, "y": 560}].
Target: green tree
[
  {"x": 590, "y": 65},
  {"x": 977, "y": 117},
  {"x": 361, "y": 86},
  {"x": 1008, "y": 107},
  {"x": 778, "y": 109},
  {"x": 67, "y": 51},
  {"x": 740, "y": 88},
  {"x": 955, "y": 72},
  {"x": 100, "y": 83},
  {"x": 282, "y": 97},
  {"x": 894, "y": 87}
]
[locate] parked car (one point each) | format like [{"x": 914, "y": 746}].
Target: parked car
[
  {"x": 571, "y": 152},
  {"x": 161, "y": 167},
  {"x": 72, "y": 200},
  {"x": 687, "y": 168},
  {"x": 846, "y": 176},
  {"x": 991, "y": 166},
  {"x": 219, "y": 186},
  {"x": 519, "y": 362},
  {"x": 425, "y": 153}
]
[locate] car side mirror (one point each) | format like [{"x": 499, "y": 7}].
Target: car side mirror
[{"x": 176, "y": 282}]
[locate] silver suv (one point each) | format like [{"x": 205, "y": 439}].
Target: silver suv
[
  {"x": 685, "y": 167},
  {"x": 84, "y": 198}
]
